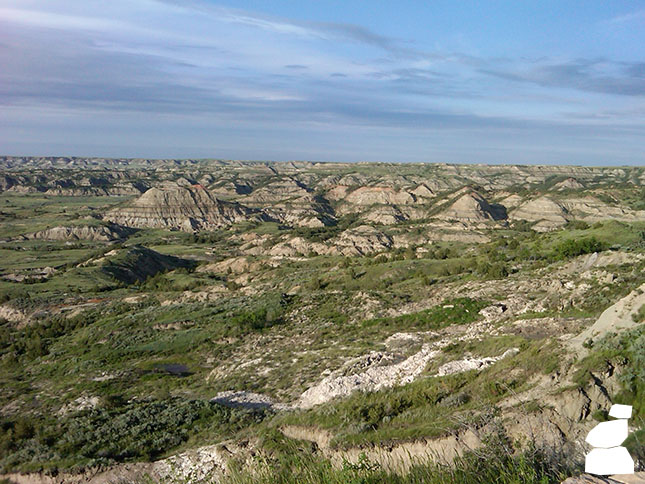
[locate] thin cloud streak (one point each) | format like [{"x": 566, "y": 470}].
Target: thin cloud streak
[
  {"x": 636, "y": 16},
  {"x": 332, "y": 31},
  {"x": 594, "y": 75},
  {"x": 248, "y": 69}
]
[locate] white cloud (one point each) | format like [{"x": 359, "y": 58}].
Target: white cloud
[
  {"x": 54, "y": 20},
  {"x": 636, "y": 16}
]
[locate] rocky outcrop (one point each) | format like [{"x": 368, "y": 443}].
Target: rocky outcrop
[
  {"x": 291, "y": 202},
  {"x": 616, "y": 318},
  {"x": 306, "y": 211},
  {"x": 22, "y": 189},
  {"x": 277, "y": 191},
  {"x": 423, "y": 191},
  {"x": 470, "y": 363},
  {"x": 98, "y": 233},
  {"x": 568, "y": 184},
  {"x": 85, "y": 191},
  {"x": 339, "y": 192},
  {"x": 586, "y": 263},
  {"x": 473, "y": 207},
  {"x": 591, "y": 209},
  {"x": 250, "y": 400},
  {"x": 381, "y": 194},
  {"x": 13, "y": 315},
  {"x": 362, "y": 240},
  {"x": 227, "y": 188},
  {"x": 6, "y": 182},
  {"x": 234, "y": 265},
  {"x": 385, "y": 215},
  {"x": 203, "y": 465},
  {"x": 180, "y": 208},
  {"x": 378, "y": 372},
  {"x": 511, "y": 201},
  {"x": 549, "y": 214},
  {"x": 294, "y": 246}
]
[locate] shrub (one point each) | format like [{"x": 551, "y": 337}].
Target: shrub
[
  {"x": 639, "y": 316},
  {"x": 575, "y": 247},
  {"x": 141, "y": 430},
  {"x": 460, "y": 310},
  {"x": 314, "y": 284},
  {"x": 523, "y": 226},
  {"x": 269, "y": 313},
  {"x": 577, "y": 225}
]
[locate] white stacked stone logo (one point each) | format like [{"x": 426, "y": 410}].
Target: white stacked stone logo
[{"x": 608, "y": 456}]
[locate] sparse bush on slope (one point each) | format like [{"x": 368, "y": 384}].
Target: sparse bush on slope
[{"x": 575, "y": 247}]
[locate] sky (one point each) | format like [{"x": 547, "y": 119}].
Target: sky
[{"x": 548, "y": 82}]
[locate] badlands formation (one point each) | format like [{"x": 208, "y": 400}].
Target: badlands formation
[{"x": 177, "y": 318}]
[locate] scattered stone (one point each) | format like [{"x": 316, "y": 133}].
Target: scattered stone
[
  {"x": 467, "y": 364},
  {"x": 373, "y": 377},
  {"x": 493, "y": 311},
  {"x": 249, "y": 400},
  {"x": 81, "y": 403}
]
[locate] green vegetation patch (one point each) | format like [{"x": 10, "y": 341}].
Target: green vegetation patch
[
  {"x": 462, "y": 310},
  {"x": 639, "y": 316},
  {"x": 118, "y": 432},
  {"x": 575, "y": 247}
]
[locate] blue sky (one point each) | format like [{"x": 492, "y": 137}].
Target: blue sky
[{"x": 437, "y": 81}]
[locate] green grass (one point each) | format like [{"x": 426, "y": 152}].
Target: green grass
[
  {"x": 119, "y": 432},
  {"x": 609, "y": 232},
  {"x": 27, "y": 213},
  {"x": 452, "y": 311},
  {"x": 500, "y": 461},
  {"x": 38, "y": 256}
]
